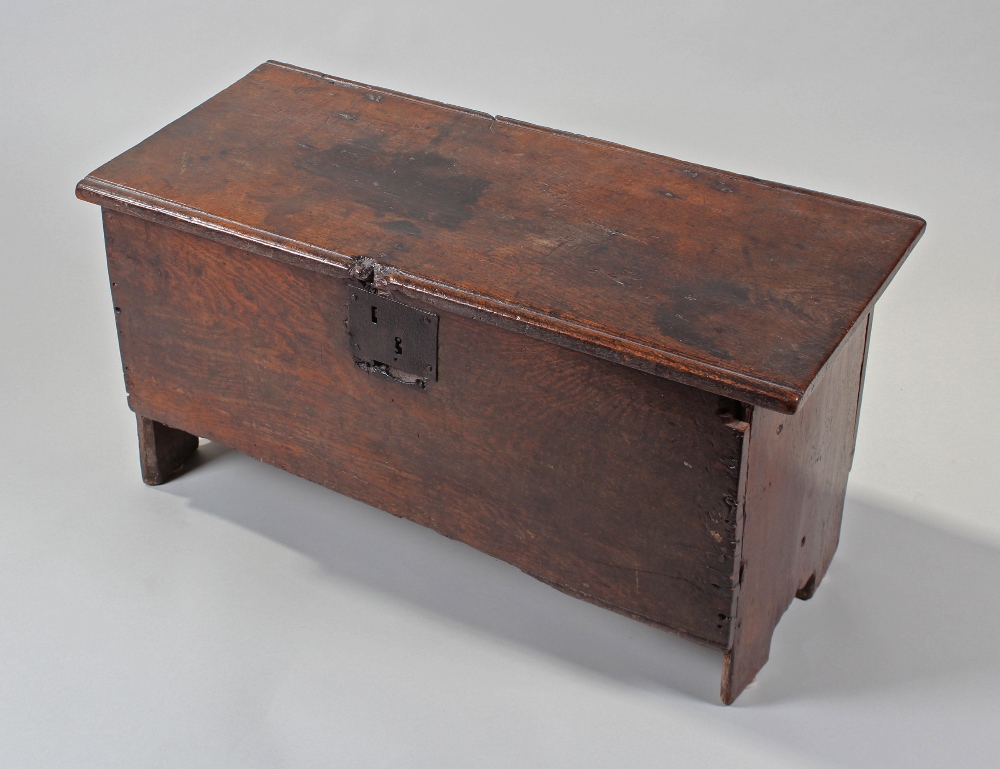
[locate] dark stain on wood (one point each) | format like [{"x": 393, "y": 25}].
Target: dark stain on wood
[{"x": 419, "y": 184}]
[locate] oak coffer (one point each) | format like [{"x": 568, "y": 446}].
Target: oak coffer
[{"x": 634, "y": 378}]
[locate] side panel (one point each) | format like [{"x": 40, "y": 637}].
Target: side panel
[
  {"x": 608, "y": 483},
  {"x": 796, "y": 472}
]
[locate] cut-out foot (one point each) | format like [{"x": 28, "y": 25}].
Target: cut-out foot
[
  {"x": 163, "y": 450},
  {"x": 808, "y": 590},
  {"x": 740, "y": 667}
]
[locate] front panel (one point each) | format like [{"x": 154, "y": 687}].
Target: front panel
[{"x": 609, "y": 483}]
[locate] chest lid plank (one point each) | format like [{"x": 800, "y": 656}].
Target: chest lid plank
[{"x": 732, "y": 284}]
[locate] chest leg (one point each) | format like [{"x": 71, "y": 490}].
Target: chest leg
[{"x": 163, "y": 450}]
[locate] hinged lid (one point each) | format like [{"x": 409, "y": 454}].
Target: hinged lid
[{"x": 729, "y": 283}]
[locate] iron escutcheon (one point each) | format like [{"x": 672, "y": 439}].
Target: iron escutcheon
[{"x": 392, "y": 338}]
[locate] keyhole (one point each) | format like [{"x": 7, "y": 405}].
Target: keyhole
[
  {"x": 374, "y": 314},
  {"x": 399, "y": 346}
]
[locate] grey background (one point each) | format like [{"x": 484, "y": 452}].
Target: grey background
[{"x": 240, "y": 617}]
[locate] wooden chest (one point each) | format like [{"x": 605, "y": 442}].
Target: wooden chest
[{"x": 635, "y": 379}]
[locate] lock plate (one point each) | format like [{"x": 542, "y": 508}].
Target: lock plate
[{"x": 392, "y": 338}]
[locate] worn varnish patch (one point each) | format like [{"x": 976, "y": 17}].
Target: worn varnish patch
[{"x": 421, "y": 185}]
